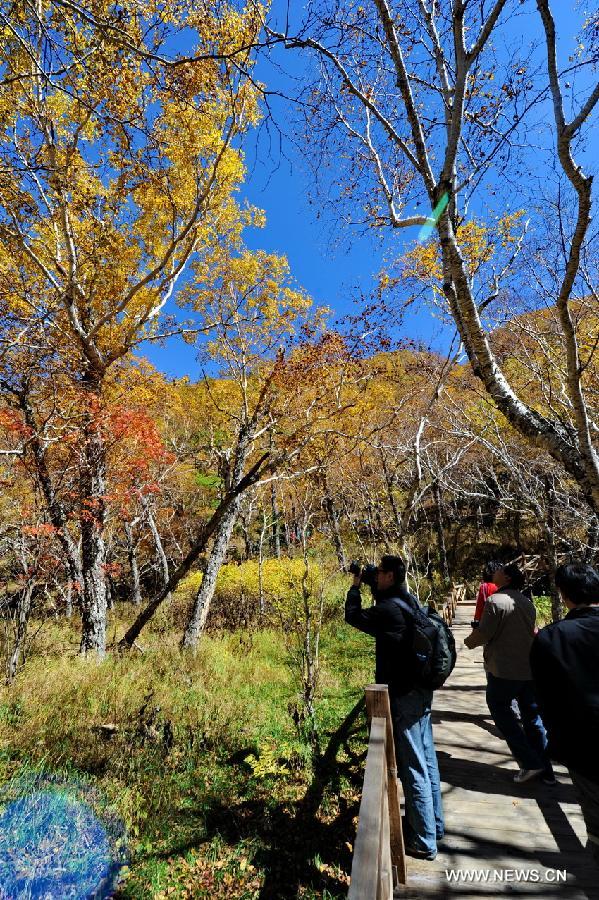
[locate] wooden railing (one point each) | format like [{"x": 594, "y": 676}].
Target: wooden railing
[
  {"x": 457, "y": 595},
  {"x": 379, "y": 861}
]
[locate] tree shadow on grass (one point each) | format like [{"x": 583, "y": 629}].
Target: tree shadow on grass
[
  {"x": 289, "y": 857},
  {"x": 298, "y": 846}
]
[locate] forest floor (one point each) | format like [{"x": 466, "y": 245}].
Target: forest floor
[{"x": 202, "y": 757}]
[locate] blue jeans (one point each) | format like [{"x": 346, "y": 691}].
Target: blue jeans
[
  {"x": 418, "y": 769},
  {"x": 526, "y": 739}
]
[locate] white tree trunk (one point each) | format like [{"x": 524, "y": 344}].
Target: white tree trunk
[{"x": 197, "y": 623}]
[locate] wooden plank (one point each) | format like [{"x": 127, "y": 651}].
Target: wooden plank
[
  {"x": 377, "y": 704},
  {"x": 365, "y": 865},
  {"x": 491, "y": 823},
  {"x": 385, "y": 885}
]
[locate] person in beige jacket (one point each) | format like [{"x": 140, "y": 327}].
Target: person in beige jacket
[{"x": 506, "y": 631}]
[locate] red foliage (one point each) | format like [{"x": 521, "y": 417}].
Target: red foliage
[
  {"x": 43, "y": 529},
  {"x": 11, "y": 421}
]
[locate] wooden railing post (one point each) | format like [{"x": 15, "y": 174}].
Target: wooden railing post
[
  {"x": 371, "y": 875},
  {"x": 377, "y": 705},
  {"x": 457, "y": 594},
  {"x": 386, "y": 882}
]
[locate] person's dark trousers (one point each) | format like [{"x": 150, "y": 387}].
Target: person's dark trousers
[
  {"x": 526, "y": 739},
  {"x": 588, "y": 797}
]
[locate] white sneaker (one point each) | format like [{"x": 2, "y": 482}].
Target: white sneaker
[{"x": 526, "y": 775}]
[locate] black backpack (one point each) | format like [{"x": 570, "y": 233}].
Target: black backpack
[{"x": 433, "y": 645}]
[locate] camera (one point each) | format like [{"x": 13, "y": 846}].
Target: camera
[{"x": 367, "y": 573}]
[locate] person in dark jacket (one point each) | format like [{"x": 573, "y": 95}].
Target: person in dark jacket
[
  {"x": 564, "y": 659},
  {"x": 388, "y": 621}
]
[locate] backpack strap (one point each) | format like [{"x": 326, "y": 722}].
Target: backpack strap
[
  {"x": 408, "y": 603},
  {"x": 405, "y": 606}
]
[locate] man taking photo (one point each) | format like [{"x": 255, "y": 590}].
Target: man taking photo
[{"x": 389, "y": 622}]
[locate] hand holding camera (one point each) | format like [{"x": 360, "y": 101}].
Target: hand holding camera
[{"x": 365, "y": 574}]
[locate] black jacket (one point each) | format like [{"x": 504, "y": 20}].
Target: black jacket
[
  {"x": 564, "y": 659},
  {"x": 392, "y": 629}
]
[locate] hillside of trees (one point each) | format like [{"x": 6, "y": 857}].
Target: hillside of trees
[
  {"x": 174, "y": 552},
  {"x": 341, "y": 456}
]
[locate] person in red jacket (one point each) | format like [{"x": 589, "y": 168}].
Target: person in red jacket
[{"x": 486, "y": 589}]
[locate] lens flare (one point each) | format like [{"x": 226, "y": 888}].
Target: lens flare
[
  {"x": 428, "y": 227},
  {"x": 54, "y": 845}
]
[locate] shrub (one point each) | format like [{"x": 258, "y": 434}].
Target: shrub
[
  {"x": 543, "y": 607},
  {"x": 247, "y": 591}
]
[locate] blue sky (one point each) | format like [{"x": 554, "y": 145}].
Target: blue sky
[{"x": 330, "y": 262}]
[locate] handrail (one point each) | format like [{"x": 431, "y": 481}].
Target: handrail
[
  {"x": 379, "y": 861},
  {"x": 457, "y": 595}
]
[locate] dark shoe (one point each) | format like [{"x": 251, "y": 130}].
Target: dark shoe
[
  {"x": 525, "y": 775},
  {"x": 548, "y": 778},
  {"x": 420, "y": 854}
]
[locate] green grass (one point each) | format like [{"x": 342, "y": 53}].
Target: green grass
[
  {"x": 543, "y": 608},
  {"x": 200, "y": 758}
]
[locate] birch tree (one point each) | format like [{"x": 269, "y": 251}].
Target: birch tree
[
  {"x": 257, "y": 312},
  {"x": 434, "y": 106},
  {"x": 115, "y": 174}
]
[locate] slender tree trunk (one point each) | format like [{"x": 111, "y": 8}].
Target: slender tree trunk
[
  {"x": 438, "y": 500},
  {"x": 333, "y": 521},
  {"x": 69, "y": 599},
  {"x": 370, "y": 527},
  {"x": 261, "y": 564},
  {"x": 162, "y": 559},
  {"x": 222, "y": 536},
  {"x": 135, "y": 596},
  {"x": 92, "y": 520},
  {"x": 245, "y": 519},
  {"x": 22, "y": 612},
  {"x": 391, "y": 496},
  {"x": 294, "y": 527},
  {"x": 216, "y": 558},
  {"x": 276, "y": 525},
  {"x": 556, "y": 602},
  {"x": 478, "y": 519}
]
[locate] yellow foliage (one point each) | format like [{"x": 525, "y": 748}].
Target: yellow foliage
[
  {"x": 478, "y": 244},
  {"x": 281, "y": 581},
  {"x": 118, "y": 172}
]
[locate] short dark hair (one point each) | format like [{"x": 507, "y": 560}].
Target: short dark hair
[
  {"x": 517, "y": 580},
  {"x": 396, "y": 565},
  {"x": 578, "y": 582},
  {"x": 490, "y": 568}
]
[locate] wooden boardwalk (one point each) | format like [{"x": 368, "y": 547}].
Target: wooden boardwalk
[{"x": 493, "y": 825}]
